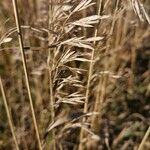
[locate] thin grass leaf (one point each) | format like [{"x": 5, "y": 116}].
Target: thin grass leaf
[
  {"x": 71, "y": 40},
  {"x": 136, "y": 7},
  {"x": 6, "y": 40},
  {"x": 81, "y": 125},
  {"x": 83, "y": 5},
  {"x": 140, "y": 10},
  {"x": 89, "y": 21},
  {"x": 56, "y": 124},
  {"x": 82, "y": 59},
  {"x": 68, "y": 56},
  {"x": 145, "y": 13},
  {"x": 84, "y": 45},
  {"x": 75, "y": 94},
  {"x": 73, "y": 101},
  {"x": 92, "y": 39},
  {"x": 78, "y": 42}
]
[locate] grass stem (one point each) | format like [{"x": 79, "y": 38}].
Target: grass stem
[
  {"x": 25, "y": 69},
  {"x": 8, "y": 115},
  {"x": 89, "y": 78},
  {"x": 144, "y": 139}
]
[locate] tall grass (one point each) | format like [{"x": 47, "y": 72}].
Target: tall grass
[
  {"x": 85, "y": 72},
  {"x": 8, "y": 115},
  {"x": 90, "y": 72},
  {"x": 25, "y": 69}
]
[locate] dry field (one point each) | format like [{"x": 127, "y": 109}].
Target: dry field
[{"x": 75, "y": 74}]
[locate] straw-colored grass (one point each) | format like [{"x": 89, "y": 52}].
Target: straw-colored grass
[
  {"x": 9, "y": 115},
  {"x": 84, "y": 67},
  {"x": 15, "y": 5}
]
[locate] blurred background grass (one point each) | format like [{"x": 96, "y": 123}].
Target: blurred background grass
[{"x": 125, "y": 107}]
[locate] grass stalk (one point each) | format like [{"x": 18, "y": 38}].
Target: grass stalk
[
  {"x": 144, "y": 139},
  {"x": 8, "y": 115},
  {"x": 114, "y": 17},
  {"x": 89, "y": 78},
  {"x": 103, "y": 80},
  {"x": 98, "y": 103},
  {"x": 50, "y": 64},
  {"x": 25, "y": 70},
  {"x": 51, "y": 96}
]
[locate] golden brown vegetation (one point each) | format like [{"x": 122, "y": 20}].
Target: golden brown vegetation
[{"x": 74, "y": 74}]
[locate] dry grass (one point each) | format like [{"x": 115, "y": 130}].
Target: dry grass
[
  {"x": 9, "y": 115},
  {"x": 25, "y": 68},
  {"x": 85, "y": 72}
]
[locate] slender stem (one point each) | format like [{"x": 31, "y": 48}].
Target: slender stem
[
  {"x": 8, "y": 115},
  {"x": 51, "y": 97},
  {"x": 51, "y": 93},
  {"x": 50, "y": 64},
  {"x": 89, "y": 79},
  {"x": 50, "y": 61},
  {"x": 97, "y": 104},
  {"x": 144, "y": 139},
  {"x": 114, "y": 17},
  {"x": 25, "y": 69}
]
